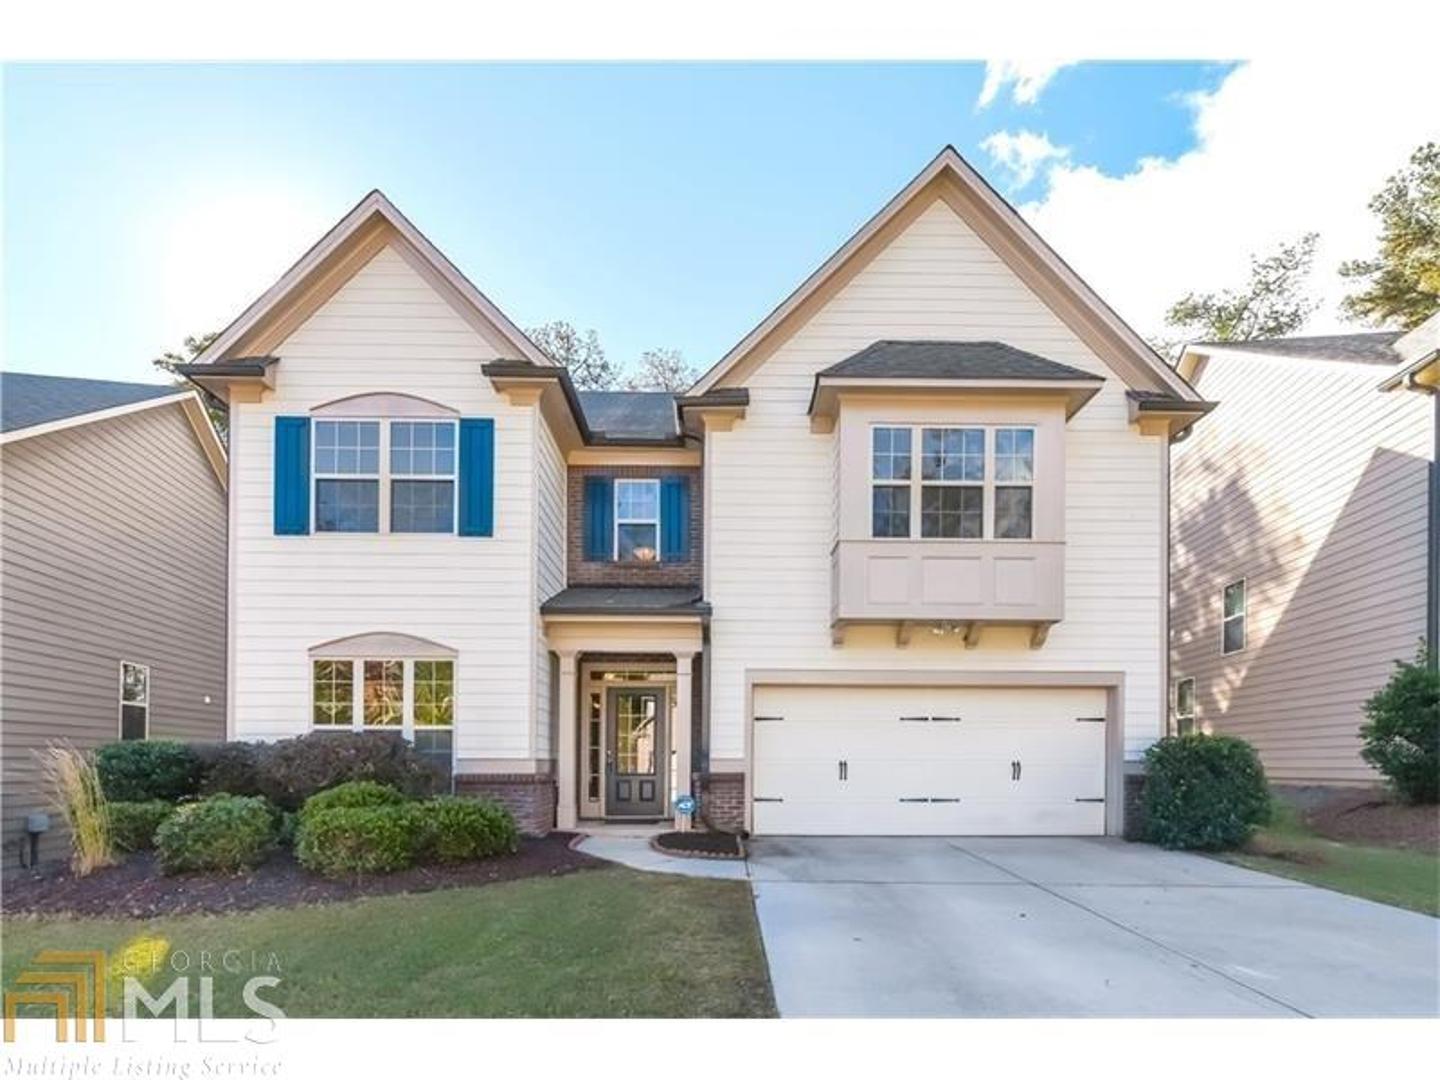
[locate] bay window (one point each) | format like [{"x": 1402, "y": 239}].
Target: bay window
[{"x": 969, "y": 483}]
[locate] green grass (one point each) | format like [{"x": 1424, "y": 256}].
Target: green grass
[
  {"x": 611, "y": 942},
  {"x": 1408, "y": 879}
]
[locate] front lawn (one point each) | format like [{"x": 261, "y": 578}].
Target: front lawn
[
  {"x": 1288, "y": 848},
  {"x": 611, "y": 942}
]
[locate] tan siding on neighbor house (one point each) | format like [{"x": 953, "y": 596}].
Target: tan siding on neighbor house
[
  {"x": 771, "y": 489},
  {"x": 1311, "y": 484},
  {"x": 112, "y": 547}
]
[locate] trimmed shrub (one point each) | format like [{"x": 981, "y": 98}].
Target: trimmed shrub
[
  {"x": 292, "y": 770},
  {"x": 1206, "y": 792},
  {"x": 139, "y": 770},
  {"x": 350, "y": 795},
  {"x": 287, "y": 823},
  {"x": 230, "y": 768},
  {"x": 1402, "y": 736},
  {"x": 228, "y": 833},
  {"x": 455, "y": 829},
  {"x": 133, "y": 824},
  {"x": 359, "y": 840}
]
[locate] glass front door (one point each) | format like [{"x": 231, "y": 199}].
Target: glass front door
[{"x": 636, "y": 759}]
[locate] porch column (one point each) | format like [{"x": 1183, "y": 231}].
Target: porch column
[
  {"x": 683, "y": 709},
  {"x": 566, "y": 791}
]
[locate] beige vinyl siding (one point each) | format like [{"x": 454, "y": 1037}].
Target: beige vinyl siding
[
  {"x": 1311, "y": 484},
  {"x": 388, "y": 331},
  {"x": 773, "y": 503},
  {"x": 550, "y": 556},
  {"x": 112, "y": 547}
]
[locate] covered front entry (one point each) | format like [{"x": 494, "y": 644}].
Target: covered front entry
[
  {"x": 624, "y": 707},
  {"x": 937, "y": 760}
]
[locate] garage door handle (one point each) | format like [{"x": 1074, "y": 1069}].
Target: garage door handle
[
  {"x": 764, "y": 798},
  {"x": 844, "y": 768},
  {"x": 1015, "y": 770},
  {"x": 1089, "y": 800}
]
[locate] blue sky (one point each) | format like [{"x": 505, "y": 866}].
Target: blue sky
[{"x": 660, "y": 205}]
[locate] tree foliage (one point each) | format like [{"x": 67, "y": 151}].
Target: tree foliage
[
  {"x": 1400, "y": 284},
  {"x": 1272, "y": 304},
  {"x": 581, "y": 354},
  {"x": 194, "y": 345},
  {"x": 662, "y": 369}
]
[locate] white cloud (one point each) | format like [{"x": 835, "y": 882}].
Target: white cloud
[
  {"x": 1026, "y": 79},
  {"x": 1284, "y": 147},
  {"x": 1022, "y": 152}
]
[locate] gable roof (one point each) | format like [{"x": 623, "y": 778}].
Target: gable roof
[
  {"x": 31, "y": 400},
  {"x": 950, "y": 177},
  {"x": 630, "y": 414},
  {"x": 1366, "y": 348},
  {"x": 951, "y": 360},
  {"x": 32, "y": 405},
  {"x": 353, "y": 240}
]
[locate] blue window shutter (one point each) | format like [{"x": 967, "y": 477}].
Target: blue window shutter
[
  {"x": 599, "y": 518},
  {"x": 292, "y": 475},
  {"x": 674, "y": 519},
  {"x": 477, "y": 477}
]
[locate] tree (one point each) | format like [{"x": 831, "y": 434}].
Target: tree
[
  {"x": 1400, "y": 284},
  {"x": 662, "y": 369},
  {"x": 194, "y": 346},
  {"x": 581, "y": 354},
  {"x": 1274, "y": 302}
]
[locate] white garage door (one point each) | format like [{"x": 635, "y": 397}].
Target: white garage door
[{"x": 911, "y": 761}]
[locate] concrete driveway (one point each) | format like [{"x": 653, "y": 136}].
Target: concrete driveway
[{"x": 1072, "y": 927}]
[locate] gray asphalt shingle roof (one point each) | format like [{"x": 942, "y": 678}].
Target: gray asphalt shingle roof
[
  {"x": 950, "y": 360},
  {"x": 630, "y": 414},
  {"x": 1376, "y": 347},
  {"x": 627, "y": 600},
  {"x": 29, "y": 400}
]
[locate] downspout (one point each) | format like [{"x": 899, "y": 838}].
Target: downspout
[{"x": 1432, "y": 528}]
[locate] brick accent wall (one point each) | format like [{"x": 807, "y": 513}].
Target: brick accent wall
[
  {"x": 529, "y": 797},
  {"x": 581, "y": 572},
  {"x": 1134, "y": 824},
  {"x": 722, "y": 800}
]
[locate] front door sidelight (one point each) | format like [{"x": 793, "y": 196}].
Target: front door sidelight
[{"x": 637, "y": 757}]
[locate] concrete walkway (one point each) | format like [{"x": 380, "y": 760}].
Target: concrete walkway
[
  {"x": 636, "y": 852},
  {"x": 1008, "y": 927}
]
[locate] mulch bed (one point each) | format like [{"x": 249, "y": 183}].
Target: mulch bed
[
  {"x": 1363, "y": 817},
  {"x": 706, "y": 845},
  {"x": 137, "y": 889}
]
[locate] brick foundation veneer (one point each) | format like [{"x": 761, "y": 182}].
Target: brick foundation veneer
[
  {"x": 1134, "y": 825},
  {"x": 529, "y": 797},
  {"x": 722, "y": 800}
]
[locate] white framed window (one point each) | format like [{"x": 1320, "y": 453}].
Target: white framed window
[
  {"x": 1184, "y": 706},
  {"x": 346, "y": 469},
  {"x": 637, "y": 520},
  {"x": 952, "y": 483},
  {"x": 414, "y": 697},
  {"x": 374, "y": 476},
  {"x": 1232, "y": 619},
  {"x": 422, "y": 476},
  {"x": 134, "y": 701}
]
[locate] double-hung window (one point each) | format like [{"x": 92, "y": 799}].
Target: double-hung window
[
  {"x": 414, "y": 697},
  {"x": 347, "y": 476},
  {"x": 637, "y": 520},
  {"x": 969, "y": 483},
  {"x": 134, "y": 700},
  {"x": 1232, "y": 625},
  {"x": 1184, "y": 706},
  {"x": 422, "y": 470}
]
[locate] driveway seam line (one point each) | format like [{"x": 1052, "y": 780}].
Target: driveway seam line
[{"x": 1142, "y": 936}]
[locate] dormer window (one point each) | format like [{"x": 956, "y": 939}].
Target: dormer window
[{"x": 969, "y": 483}]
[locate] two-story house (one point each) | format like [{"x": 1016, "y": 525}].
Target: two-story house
[
  {"x": 896, "y": 564},
  {"x": 1305, "y": 542}
]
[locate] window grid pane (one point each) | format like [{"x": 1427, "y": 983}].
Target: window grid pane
[
  {"x": 637, "y": 542},
  {"x": 890, "y": 510},
  {"x": 347, "y": 447},
  {"x": 954, "y": 454},
  {"x": 1014, "y": 455},
  {"x": 890, "y": 453},
  {"x": 334, "y": 693},
  {"x": 384, "y": 691},
  {"x": 637, "y": 500},
  {"x": 422, "y": 448},
  {"x": 422, "y": 506},
  {"x": 956, "y": 513},
  {"x": 434, "y": 693},
  {"x": 134, "y": 684},
  {"x": 1014, "y": 511},
  {"x": 347, "y": 506}
]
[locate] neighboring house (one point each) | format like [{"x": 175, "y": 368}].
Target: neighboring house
[
  {"x": 112, "y": 574},
  {"x": 896, "y": 564},
  {"x": 1303, "y": 559}
]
